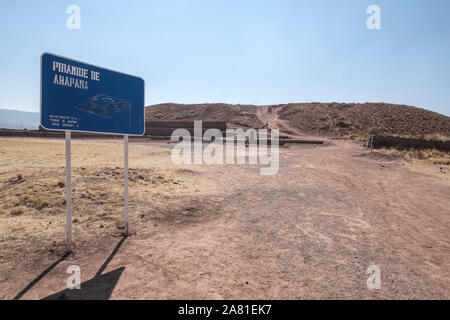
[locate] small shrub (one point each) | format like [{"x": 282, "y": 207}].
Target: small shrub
[
  {"x": 42, "y": 205},
  {"x": 342, "y": 124},
  {"x": 16, "y": 211}
]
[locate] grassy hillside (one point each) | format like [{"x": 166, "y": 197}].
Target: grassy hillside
[
  {"x": 334, "y": 119},
  {"x": 363, "y": 119}
]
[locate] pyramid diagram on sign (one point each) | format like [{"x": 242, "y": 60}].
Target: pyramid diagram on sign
[{"x": 104, "y": 106}]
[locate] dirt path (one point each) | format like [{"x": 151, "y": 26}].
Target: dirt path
[
  {"x": 309, "y": 232},
  {"x": 269, "y": 116}
]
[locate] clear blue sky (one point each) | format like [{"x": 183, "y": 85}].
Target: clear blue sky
[{"x": 248, "y": 52}]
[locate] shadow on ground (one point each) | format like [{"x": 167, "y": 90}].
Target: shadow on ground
[{"x": 98, "y": 288}]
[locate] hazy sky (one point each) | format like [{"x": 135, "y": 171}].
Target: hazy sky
[{"x": 248, "y": 52}]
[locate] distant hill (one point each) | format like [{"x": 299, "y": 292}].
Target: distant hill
[
  {"x": 333, "y": 119},
  {"x": 14, "y": 119}
]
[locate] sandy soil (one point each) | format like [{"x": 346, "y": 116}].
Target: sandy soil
[{"x": 224, "y": 231}]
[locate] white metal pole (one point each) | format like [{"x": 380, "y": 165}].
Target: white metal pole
[
  {"x": 125, "y": 149},
  {"x": 68, "y": 193}
]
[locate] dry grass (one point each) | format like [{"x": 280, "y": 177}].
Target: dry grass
[
  {"x": 431, "y": 162},
  {"x": 437, "y": 137},
  {"x": 17, "y": 211},
  {"x": 434, "y": 136},
  {"x": 32, "y": 195},
  {"x": 432, "y": 156}
]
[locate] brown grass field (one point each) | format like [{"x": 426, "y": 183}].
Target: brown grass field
[{"x": 223, "y": 231}]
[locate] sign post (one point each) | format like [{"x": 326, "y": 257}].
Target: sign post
[
  {"x": 125, "y": 182},
  {"x": 68, "y": 192},
  {"x": 77, "y": 96}
]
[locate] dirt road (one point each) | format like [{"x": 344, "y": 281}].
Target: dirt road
[{"x": 309, "y": 232}]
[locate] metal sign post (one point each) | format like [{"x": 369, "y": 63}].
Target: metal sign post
[
  {"x": 68, "y": 193},
  {"x": 125, "y": 181}
]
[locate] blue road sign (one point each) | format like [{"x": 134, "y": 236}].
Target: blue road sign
[{"x": 77, "y": 96}]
